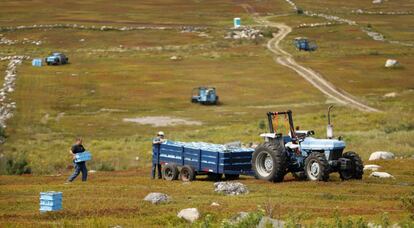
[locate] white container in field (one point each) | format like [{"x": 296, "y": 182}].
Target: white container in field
[
  {"x": 50, "y": 201},
  {"x": 237, "y": 22}
]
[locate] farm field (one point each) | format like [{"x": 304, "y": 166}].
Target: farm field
[{"x": 118, "y": 74}]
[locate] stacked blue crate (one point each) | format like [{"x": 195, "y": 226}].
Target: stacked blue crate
[
  {"x": 50, "y": 201},
  {"x": 208, "y": 146},
  {"x": 37, "y": 62},
  {"x": 84, "y": 156}
]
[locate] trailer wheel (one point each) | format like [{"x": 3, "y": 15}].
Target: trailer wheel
[
  {"x": 357, "y": 167},
  {"x": 214, "y": 176},
  {"x": 187, "y": 173},
  {"x": 317, "y": 167},
  {"x": 231, "y": 176},
  {"x": 269, "y": 162},
  {"x": 170, "y": 172}
]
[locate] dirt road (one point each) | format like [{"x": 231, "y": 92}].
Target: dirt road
[{"x": 284, "y": 58}]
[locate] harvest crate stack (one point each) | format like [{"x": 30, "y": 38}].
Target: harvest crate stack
[
  {"x": 85, "y": 156},
  {"x": 50, "y": 201}
]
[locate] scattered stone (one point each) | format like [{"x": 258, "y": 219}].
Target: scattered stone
[
  {"x": 376, "y": 1},
  {"x": 214, "y": 204},
  {"x": 189, "y": 214},
  {"x": 266, "y": 221},
  {"x": 175, "y": 58},
  {"x": 156, "y": 198},
  {"x": 230, "y": 188},
  {"x": 381, "y": 155},
  {"x": 82, "y": 40},
  {"x": 92, "y": 171},
  {"x": 372, "y": 167},
  {"x": 162, "y": 121},
  {"x": 381, "y": 175},
  {"x": 244, "y": 32},
  {"x": 240, "y": 216},
  {"x": 390, "y": 63},
  {"x": 390, "y": 95}
]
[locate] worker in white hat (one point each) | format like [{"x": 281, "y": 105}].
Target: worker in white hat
[
  {"x": 160, "y": 138},
  {"x": 156, "y": 143}
]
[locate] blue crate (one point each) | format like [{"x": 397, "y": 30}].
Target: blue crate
[
  {"x": 50, "y": 208},
  {"x": 50, "y": 201},
  {"x": 84, "y": 156},
  {"x": 37, "y": 62}
]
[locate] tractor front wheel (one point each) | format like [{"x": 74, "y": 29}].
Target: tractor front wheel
[
  {"x": 269, "y": 162},
  {"x": 317, "y": 167},
  {"x": 357, "y": 168}
]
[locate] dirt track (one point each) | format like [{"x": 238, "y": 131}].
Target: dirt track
[{"x": 284, "y": 58}]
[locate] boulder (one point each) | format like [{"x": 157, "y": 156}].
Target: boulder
[
  {"x": 214, "y": 204},
  {"x": 381, "y": 175},
  {"x": 156, "y": 198},
  {"x": 381, "y": 155},
  {"x": 189, "y": 214},
  {"x": 377, "y": 1},
  {"x": 371, "y": 167},
  {"x": 390, "y": 95},
  {"x": 230, "y": 188},
  {"x": 266, "y": 222},
  {"x": 391, "y": 63}
]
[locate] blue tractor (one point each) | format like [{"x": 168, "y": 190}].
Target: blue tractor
[
  {"x": 205, "y": 96},
  {"x": 56, "y": 58},
  {"x": 303, "y": 44},
  {"x": 302, "y": 155}
]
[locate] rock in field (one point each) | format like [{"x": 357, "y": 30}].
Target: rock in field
[
  {"x": 230, "y": 188},
  {"x": 381, "y": 155},
  {"x": 156, "y": 198},
  {"x": 391, "y": 63},
  {"x": 189, "y": 214},
  {"x": 381, "y": 175},
  {"x": 266, "y": 222},
  {"x": 372, "y": 167},
  {"x": 214, "y": 204}
]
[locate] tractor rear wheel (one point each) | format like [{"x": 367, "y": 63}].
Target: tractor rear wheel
[
  {"x": 170, "y": 172},
  {"x": 357, "y": 169},
  {"x": 317, "y": 167},
  {"x": 187, "y": 173},
  {"x": 269, "y": 162}
]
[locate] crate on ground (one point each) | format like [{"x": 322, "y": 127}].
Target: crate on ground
[
  {"x": 84, "y": 156},
  {"x": 50, "y": 201}
]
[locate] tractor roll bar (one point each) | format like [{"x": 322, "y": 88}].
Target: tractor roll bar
[{"x": 270, "y": 116}]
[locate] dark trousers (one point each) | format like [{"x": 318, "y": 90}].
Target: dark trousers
[
  {"x": 156, "y": 168},
  {"x": 79, "y": 167}
]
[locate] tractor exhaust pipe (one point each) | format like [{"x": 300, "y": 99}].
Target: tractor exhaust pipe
[{"x": 329, "y": 128}]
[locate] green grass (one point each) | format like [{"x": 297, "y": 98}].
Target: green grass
[{"x": 132, "y": 71}]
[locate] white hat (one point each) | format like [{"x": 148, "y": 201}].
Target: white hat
[{"x": 161, "y": 133}]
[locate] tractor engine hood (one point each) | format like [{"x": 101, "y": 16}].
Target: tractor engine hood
[{"x": 310, "y": 143}]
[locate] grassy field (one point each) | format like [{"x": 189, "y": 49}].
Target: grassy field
[{"x": 114, "y": 75}]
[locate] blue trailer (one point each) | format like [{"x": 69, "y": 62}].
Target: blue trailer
[{"x": 186, "y": 160}]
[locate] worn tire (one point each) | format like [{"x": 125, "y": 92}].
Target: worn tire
[
  {"x": 357, "y": 167},
  {"x": 231, "y": 176},
  {"x": 170, "y": 172},
  {"x": 269, "y": 162},
  {"x": 187, "y": 173},
  {"x": 317, "y": 167},
  {"x": 299, "y": 176}
]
